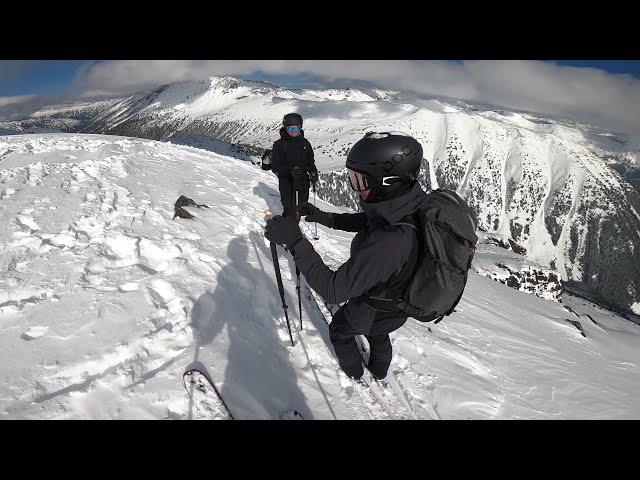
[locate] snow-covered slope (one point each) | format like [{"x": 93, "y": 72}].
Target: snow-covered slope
[
  {"x": 66, "y": 117},
  {"x": 558, "y": 189},
  {"x": 549, "y": 185},
  {"x": 105, "y": 300},
  {"x": 496, "y": 259}
]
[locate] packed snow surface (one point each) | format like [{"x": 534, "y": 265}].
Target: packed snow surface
[{"x": 105, "y": 301}]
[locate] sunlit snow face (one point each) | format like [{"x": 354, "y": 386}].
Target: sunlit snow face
[{"x": 294, "y": 130}]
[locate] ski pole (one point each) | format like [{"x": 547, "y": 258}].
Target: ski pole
[
  {"x": 276, "y": 264},
  {"x": 315, "y": 237},
  {"x": 298, "y": 270},
  {"x": 299, "y": 298}
]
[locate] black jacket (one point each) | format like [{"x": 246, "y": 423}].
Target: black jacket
[
  {"x": 289, "y": 152},
  {"x": 380, "y": 256}
]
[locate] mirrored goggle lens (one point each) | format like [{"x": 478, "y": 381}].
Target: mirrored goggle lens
[
  {"x": 358, "y": 181},
  {"x": 293, "y": 129}
]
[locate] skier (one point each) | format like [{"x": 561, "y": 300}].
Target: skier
[
  {"x": 292, "y": 161},
  {"x": 383, "y": 168}
]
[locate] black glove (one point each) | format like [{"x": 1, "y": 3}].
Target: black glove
[
  {"x": 298, "y": 177},
  {"x": 314, "y": 214},
  {"x": 313, "y": 176},
  {"x": 283, "y": 231},
  {"x": 307, "y": 208}
]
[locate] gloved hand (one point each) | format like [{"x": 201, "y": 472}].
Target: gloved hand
[
  {"x": 298, "y": 177},
  {"x": 283, "y": 231},
  {"x": 307, "y": 208},
  {"x": 313, "y": 176},
  {"x": 314, "y": 214}
]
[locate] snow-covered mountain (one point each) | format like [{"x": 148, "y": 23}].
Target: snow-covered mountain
[
  {"x": 66, "y": 117},
  {"x": 105, "y": 300},
  {"x": 555, "y": 188}
]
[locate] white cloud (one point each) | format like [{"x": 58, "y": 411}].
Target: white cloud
[
  {"x": 20, "y": 106},
  {"x": 130, "y": 75},
  {"x": 18, "y": 99}
]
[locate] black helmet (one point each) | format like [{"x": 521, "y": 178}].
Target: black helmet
[
  {"x": 292, "y": 119},
  {"x": 386, "y": 155}
]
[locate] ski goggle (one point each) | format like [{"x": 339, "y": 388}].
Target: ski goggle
[
  {"x": 293, "y": 129},
  {"x": 358, "y": 181}
]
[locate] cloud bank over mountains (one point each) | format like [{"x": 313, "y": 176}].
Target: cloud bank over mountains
[{"x": 588, "y": 95}]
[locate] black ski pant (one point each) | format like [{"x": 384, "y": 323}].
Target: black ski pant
[
  {"x": 288, "y": 194},
  {"x": 342, "y": 335}
]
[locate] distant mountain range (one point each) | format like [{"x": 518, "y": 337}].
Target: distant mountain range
[{"x": 563, "y": 192}]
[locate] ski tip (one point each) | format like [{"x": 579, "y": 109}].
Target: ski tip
[{"x": 291, "y": 415}]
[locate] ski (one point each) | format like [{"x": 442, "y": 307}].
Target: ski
[
  {"x": 370, "y": 399},
  {"x": 291, "y": 415},
  {"x": 365, "y": 386},
  {"x": 207, "y": 402},
  {"x": 384, "y": 386},
  {"x": 391, "y": 383},
  {"x": 205, "y": 397},
  {"x": 427, "y": 407}
]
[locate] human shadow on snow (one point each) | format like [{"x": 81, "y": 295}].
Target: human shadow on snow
[
  {"x": 272, "y": 199},
  {"x": 259, "y": 381}
]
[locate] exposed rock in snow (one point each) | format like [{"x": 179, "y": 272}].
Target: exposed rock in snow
[{"x": 35, "y": 332}]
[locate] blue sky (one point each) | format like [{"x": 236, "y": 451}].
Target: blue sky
[
  {"x": 37, "y": 77},
  {"x": 631, "y": 67},
  {"x": 56, "y": 76}
]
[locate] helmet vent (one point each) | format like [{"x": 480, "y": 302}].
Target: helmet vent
[{"x": 376, "y": 135}]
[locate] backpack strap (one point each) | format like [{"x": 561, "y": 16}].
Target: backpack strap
[
  {"x": 385, "y": 305},
  {"x": 405, "y": 223},
  {"x": 390, "y": 305}
]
